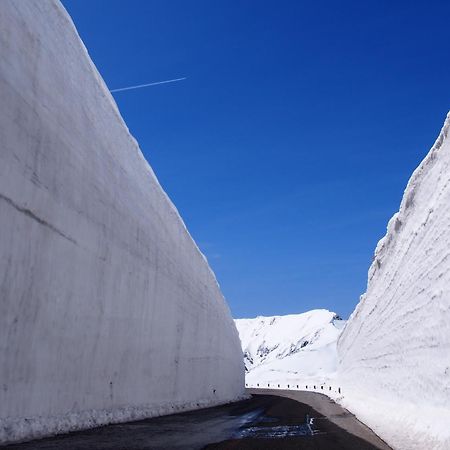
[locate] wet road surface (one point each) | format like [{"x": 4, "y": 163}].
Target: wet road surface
[
  {"x": 334, "y": 427},
  {"x": 262, "y": 422}
]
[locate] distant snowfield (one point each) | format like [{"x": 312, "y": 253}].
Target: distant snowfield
[{"x": 292, "y": 348}]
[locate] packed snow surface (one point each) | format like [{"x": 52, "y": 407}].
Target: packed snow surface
[
  {"x": 108, "y": 310},
  {"x": 291, "y": 348},
  {"x": 395, "y": 350}
]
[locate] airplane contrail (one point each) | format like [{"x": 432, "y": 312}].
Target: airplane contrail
[{"x": 148, "y": 84}]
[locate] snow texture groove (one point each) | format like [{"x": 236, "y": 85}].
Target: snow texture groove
[{"x": 108, "y": 310}]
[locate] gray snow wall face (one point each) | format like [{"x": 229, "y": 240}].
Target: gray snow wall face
[
  {"x": 108, "y": 310},
  {"x": 395, "y": 350}
]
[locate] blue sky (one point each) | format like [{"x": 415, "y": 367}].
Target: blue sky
[{"x": 288, "y": 146}]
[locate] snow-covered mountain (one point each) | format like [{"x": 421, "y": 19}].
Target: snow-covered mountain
[
  {"x": 290, "y": 348},
  {"x": 395, "y": 350}
]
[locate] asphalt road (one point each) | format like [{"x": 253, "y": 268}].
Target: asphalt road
[
  {"x": 329, "y": 413},
  {"x": 261, "y": 422}
]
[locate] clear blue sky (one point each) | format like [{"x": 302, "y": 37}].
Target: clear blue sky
[{"x": 288, "y": 147}]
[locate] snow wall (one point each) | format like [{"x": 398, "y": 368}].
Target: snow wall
[
  {"x": 108, "y": 310},
  {"x": 395, "y": 350}
]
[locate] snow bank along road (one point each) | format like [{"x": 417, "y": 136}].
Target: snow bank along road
[
  {"x": 108, "y": 310},
  {"x": 391, "y": 360},
  {"x": 394, "y": 353}
]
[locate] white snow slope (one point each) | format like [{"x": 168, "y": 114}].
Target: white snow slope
[
  {"x": 108, "y": 310},
  {"x": 292, "y": 348},
  {"x": 395, "y": 349}
]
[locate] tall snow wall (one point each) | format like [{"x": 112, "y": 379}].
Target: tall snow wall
[
  {"x": 395, "y": 350},
  {"x": 108, "y": 310}
]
